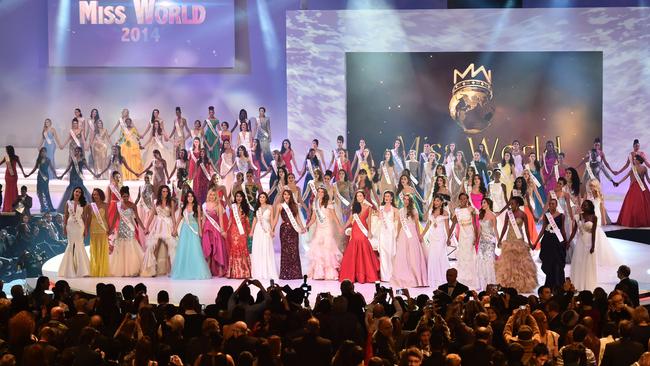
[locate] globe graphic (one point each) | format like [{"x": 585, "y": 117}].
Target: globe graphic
[{"x": 472, "y": 108}]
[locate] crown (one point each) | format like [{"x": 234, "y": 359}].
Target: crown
[{"x": 473, "y": 81}]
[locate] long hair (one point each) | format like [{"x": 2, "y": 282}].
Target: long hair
[
  {"x": 356, "y": 206},
  {"x": 292, "y": 203},
  {"x": 168, "y": 200},
  {"x": 481, "y": 212},
  {"x": 11, "y": 152},
  {"x": 183, "y": 156},
  {"x": 400, "y": 186},
  {"x": 100, "y": 193},
  {"x": 481, "y": 186},
  {"x": 257, "y": 150},
  {"x": 366, "y": 183},
  {"x": 326, "y": 197},
  {"x": 96, "y": 118},
  {"x": 153, "y": 112},
  {"x": 314, "y": 161},
  {"x": 286, "y": 175},
  {"x": 203, "y": 159},
  {"x": 82, "y": 197},
  {"x": 400, "y": 149},
  {"x": 195, "y": 205},
  {"x": 283, "y": 149},
  {"x": 156, "y": 131},
  {"x": 39, "y": 157},
  {"x": 575, "y": 181},
  {"x": 258, "y": 204},
  {"x": 242, "y": 148},
  {"x": 441, "y": 209},
  {"x": 536, "y": 163},
  {"x": 391, "y": 161},
  {"x": 463, "y": 162},
  {"x": 410, "y": 206},
  {"x": 392, "y": 198},
  {"x": 524, "y": 185},
  {"x": 510, "y": 161},
  {"x": 436, "y": 188},
  {"x": 244, "y": 204},
  {"x": 243, "y": 115}
]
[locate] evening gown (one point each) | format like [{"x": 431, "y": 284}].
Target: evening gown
[
  {"x": 263, "y": 254},
  {"x": 485, "y": 257},
  {"x": 606, "y": 255},
  {"x": 189, "y": 263},
  {"x": 11, "y": 186},
  {"x": 409, "y": 263},
  {"x": 50, "y": 148},
  {"x": 553, "y": 254},
  {"x": 515, "y": 267},
  {"x": 239, "y": 261},
  {"x": 126, "y": 259},
  {"x": 548, "y": 171},
  {"x": 324, "y": 254},
  {"x": 359, "y": 263},
  {"x": 201, "y": 182},
  {"x": 160, "y": 244},
  {"x": 100, "y": 152},
  {"x": 635, "y": 211},
  {"x": 583, "y": 264},
  {"x": 76, "y": 180},
  {"x": 290, "y": 267},
  {"x": 215, "y": 247},
  {"x": 75, "y": 261},
  {"x": 466, "y": 253},
  {"x": 130, "y": 149},
  {"x": 263, "y": 134},
  {"x": 212, "y": 135},
  {"x": 387, "y": 243},
  {"x": 438, "y": 263},
  {"x": 43, "y": 186},
  {"x": 99, "y": 266}
]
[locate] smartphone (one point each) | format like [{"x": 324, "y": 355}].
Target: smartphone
[
  {"x": 133, "y": 316},
  {"x": 522, "y": 307},
  {"x": 399, "y": 292},
  {"x": 272, "y": 282}
]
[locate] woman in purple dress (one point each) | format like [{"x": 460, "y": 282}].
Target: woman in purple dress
[
  {"x": 291, "y": 226},
  {"x": 550, "y": 167}
]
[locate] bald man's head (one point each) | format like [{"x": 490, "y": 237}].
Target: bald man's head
[
  {"x": 57, "y": 313},
  {"x": 313, "y": 326}
]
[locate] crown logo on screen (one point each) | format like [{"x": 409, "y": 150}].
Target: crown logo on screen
[{"x": 471, "y": 104}]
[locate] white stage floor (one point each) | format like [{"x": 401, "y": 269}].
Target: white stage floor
[{"x": 633, "y": 254}]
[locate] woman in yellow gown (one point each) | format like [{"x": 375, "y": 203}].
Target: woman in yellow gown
[
  {"x": 129, "y": 142},
  {"x": 98, "y": 228},
  {"x": 507, "y": 172}
]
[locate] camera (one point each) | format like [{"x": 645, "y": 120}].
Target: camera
[
  {"x": 399, "y": 291},
  {"x": 305, "y": 287}
]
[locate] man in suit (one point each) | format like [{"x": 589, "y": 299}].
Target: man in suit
[
  {"x": 311, "y": 348},
  {"x": 453, "y": 288},
  {"x": 50, "y": 353},
  {"x": 77, "y": 322},
  {"x": 480, "y": 352},
  {"x": 628, "y": 285},
  {"x": 480, "y": 167},
  {"x": 624, "y": 351},
  {"x": 23, "y": 203},
  {"x": 240, "y": 341},
  {"x": 84, "y": 354},
  {"x": 383, "y": 344}
]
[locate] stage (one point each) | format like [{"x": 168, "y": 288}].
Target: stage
[{"x": 633, "y": 254}]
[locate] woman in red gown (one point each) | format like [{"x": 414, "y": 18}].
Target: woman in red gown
[
  {"x": 202, "y": 174},
  {"x": 239, "y": 261},
  {"x": 360, "y": 263},
  {"x": 11, "y": 178},
  {"x": 635, "y": 211},
  {"x": 287, "y": 155}
]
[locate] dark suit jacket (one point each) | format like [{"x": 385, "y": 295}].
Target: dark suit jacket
[
  {"x": 631, "y": 288},
  {"x": 313, "y": 350},
  {"x": 623, "y": 352},
  {"x": 75, "y": 324},
  {"x": 50, "y": 353},
  {"x": 235, "y": 346},
  {"x": 459, "y": 289},
  {"x": 476, "y": 354}
]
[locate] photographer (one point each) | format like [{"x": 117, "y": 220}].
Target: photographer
[
  {"x": 520, "y": 317},
  {"x": 242, "y": 298}
]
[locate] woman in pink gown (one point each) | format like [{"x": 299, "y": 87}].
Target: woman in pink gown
[
  {"x": 324, "y": 254},
  {"x": 360, "y": 263},
  {"x": 409, "y": 263},
  {"x": 213, "y": 240},
  {"x": 548, "y": 170},
  {"x": 194, "y": 156},
  {"x": 11, "y": 178}
]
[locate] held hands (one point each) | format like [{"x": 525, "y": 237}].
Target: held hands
[{"x": 591, "y": 251}]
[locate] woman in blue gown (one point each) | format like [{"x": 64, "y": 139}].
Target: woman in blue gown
[
  {"x": 189, "y": 263},
  {"x": 75, "y": 167},
  {"x": 44, "y": 166},
  {"x": 50, "y": 141}
]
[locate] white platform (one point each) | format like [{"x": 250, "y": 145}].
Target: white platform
[{"x": 633, "y": 254}]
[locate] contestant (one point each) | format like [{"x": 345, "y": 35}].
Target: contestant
[
  {"x": 636, "y": 150},
  {"x": 113, "y": 194},
  {"x": 533, "y": 197},
  {"x": 50, "y": 141},
  {"x": 572, "y": 186},
  {"x": 161, "y": 237},
  {"x": 239, "y": 261},
  {"x": 413, "y": 166},
  {"x": 155, "y": 116},
  {"x": 520, "y": 189},
  {"x": 465, "y": 217},
  {"x": 126, "y": 255},
  {"x": 75, "y": 261},
  {"x": 606, "y": 254},
  {"x": 344, "y": 190},
  {"x": 388, "y": 216},
  {"x": 498, "y": 194},
  {"x": 535, "y": 169},
  {"x": 75, "y": 167},
  {"x": 145, "y": 203},
  {"x": 553, "y": 248},
  {"x": 477, "y": 192},
  {"x": 319, "y": 152},
  {"x": 450, "y": 159},
  {"x": 263, "y": 255},
  {"x": 457, "y": 173},
  {"x": 515, "y": 267},
  {"x": 225, "y": 133},
  {"x": 289, "y": 239},
  {"x": 156, "y": 141},
  {"x": 75, "y": 138},
  {"x": 244, "y": 136},
  {"x": 388, "y": 178},
  {"x": 404, "y": 188},
  {"x": 508, "y": 172},
  {"x": 212, "y": 135},
  {"x": 44, "y": 166},
  {"x": 362, "y": 159},
  {"x": 398, "y": 156},
  {"x": 178, "y": 131},
  {"x": 100, "y": 144},
  {"x": 517, "y": 157},
  {"x": 242, "y": 160},
  {"x": 129, "y": 142},
  {"x": 288, "y": 156},
  {"x": 81, "y": 120},
  {"x": 213, "y": 240},
  {"x": 117, "y": 163},
  {"x": 324, "y": 254},
  {"x": 258, "y": 161},
  {"x": 202, "y": 175},
  {"x": 262, "y": 132},
  {"x": 593, "y": 166},
  {"x": 280, "y": 184},
  {"x": 226, "y": 165},
  {"x": 181, "y": 166},
  {"x": 486, "y": 244},
  {"x": 194, "y": 152},
  {"x": 583, "y": 262},
  {"x": 551, "y": 171},
  {"x": 342, "y": 163},
  {"x": 160, "y": 172},
  {"x": 436, "y": 233},
  {"x": 409, "y": 263},
  {"x": 635, "y": 211},
  {"x": 480, "y": 167},
  {"x": 189, "y": 263},
  {"x": 97, "y": 226},
  {"x": 428, "y": 174},
  {"x": 312, "y": 163},
  {"x": 197, "y": 133},
  {"x": 359, "y": 263}
]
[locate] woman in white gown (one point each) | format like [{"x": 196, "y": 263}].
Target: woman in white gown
[
  {"x": 465, "y": 216},
  {"x": 435, "y": 233},
  {"x": 387, "y": 233},
  {"x": 606, "y": 255},
  {"x": 583, "y": 260},
  {"x": 324, "y": 254},
  {"x": 126, "y": 255},
  {"x": 161, "y": 237},
  {"x": 263, "y": 255},
  {"x": 486, "y": 245},
  {"x": 75, "y": 259}
]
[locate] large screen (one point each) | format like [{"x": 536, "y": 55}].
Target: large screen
[
  {"x": 475, "y": 97},
  {"x": 142, "y": 33}
]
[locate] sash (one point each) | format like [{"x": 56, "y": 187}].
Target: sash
[
  {"x": 125, "y": 131},
  {"x": 343, "y": 200},
  {"x": 535, "y": 180},
  {"x": 204, "y": 170},
  {"x": 10, "y": 169},
  {"x": 260, "y": 220},
  {"x": 319, "y": 212},
  {"x": 75, "y": 162},
  {"x": 386, "y": 175},
  {"x": 75, "y": 139},
  {"x": 556, "y": 230},
  {"x": 43, "y": 176},
  {"x": 235, "y": 213},
  {"x": 556, "y": 171},
  {"x": 513, "y": 224},
  {"x": 312, "y": 187},
  {"x": 193, "y": 157},
  {"x": 98, "y": 216},
  {"x": 638, "y": 178},
  {"x": 383, "y": 216},
  {"x": 397, "y": 159},
  {"x": 453, "y": 173},
  {"x": 310, "y": 167},
  {"x": 115, "y": 191},
  {"x": 127, "y": 220},
  {"x": 274, "y": 166},
  {"x": 559, "y": 207},
  {"x": 415, "y": 181},
  {"x": 243, "y": 189},
  {"x": 363, "y": 229},
  {"x": 209, "y": 123},
  {"x": 211, "y": 220},
  {"x": 46, "y": 136},
  {"x": 177, "y": 124},
  {"x": 402, "y": 219},
  {"x": 159, "y": 142},
  {"x": 339, "y": 163},
  {"x": 589, "y": 171},
  {"x": 292, "y": 219},
  {"x": 187, "y": 223}
]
